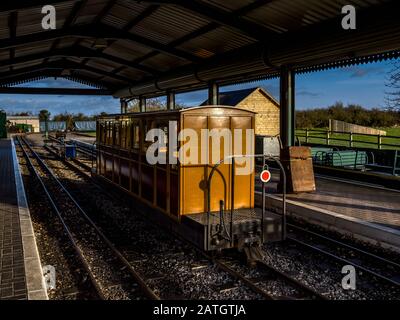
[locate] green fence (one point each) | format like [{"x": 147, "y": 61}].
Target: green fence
[{"x": 347, "y": 139}]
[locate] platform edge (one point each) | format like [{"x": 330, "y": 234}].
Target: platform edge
[
  {"x": 382, "y": 236},
  {"x": 35, "y": 285}
]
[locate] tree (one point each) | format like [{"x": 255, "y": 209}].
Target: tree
[
  {"x": 152, "y": 104},
  {"x": 67, "y": 117},
  {"x": 319, "y": 118},
  {"x": 44, "y": 115},
  {"x": 393, "y": 84}
]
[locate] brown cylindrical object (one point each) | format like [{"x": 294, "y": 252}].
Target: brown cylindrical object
[{"x": 299, "y": 169}]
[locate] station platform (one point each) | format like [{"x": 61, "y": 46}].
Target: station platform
[
  {"x": 21, "y": 275},
  {"x": 367, "y": 212}
]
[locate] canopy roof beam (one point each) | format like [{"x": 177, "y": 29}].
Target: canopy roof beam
[
  {"x": 55, "y": 91},
  {"x": 62, "y": 65},
  {"x": 80, "y": 52},
  {"x": 95, "y": 31}
]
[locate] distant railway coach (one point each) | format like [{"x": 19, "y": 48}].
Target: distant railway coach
[{"x": 178, "y": 191}]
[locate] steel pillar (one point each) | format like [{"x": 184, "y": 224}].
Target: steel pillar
[
  {"x": 287, "y": 106},
  {"x": 170, "y": 100},
  {"x": 213, "y": 94}
]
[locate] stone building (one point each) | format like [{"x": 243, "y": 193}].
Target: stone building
[{"x": 257, "y": 100}]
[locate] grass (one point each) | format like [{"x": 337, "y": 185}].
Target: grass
[
  {"x": 318, "y": 136},
  {"x": 392, "y": 131}
]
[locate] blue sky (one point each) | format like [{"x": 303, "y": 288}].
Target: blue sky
[{"x": 364, "y": 85}]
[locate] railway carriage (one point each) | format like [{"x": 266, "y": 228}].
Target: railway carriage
[{"x": 212, "y": 213}]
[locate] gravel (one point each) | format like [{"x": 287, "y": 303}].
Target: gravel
[{"x": 175, "y": 270}]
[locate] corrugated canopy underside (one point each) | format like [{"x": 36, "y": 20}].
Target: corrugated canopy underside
[{"x": 144, "y": 47}]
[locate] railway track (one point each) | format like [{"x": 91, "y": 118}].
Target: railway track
[
  {"x": 372, "y": 264},
  {"x": 144, "y": 261},
  {"x": 259, "y": 286},
  {"x": 346, "y": 253},
  {"x": 110, "y": 273},
  {"x": 369, "y": 263},
  {"x": 83, "y": 164},
  {"x": 264, "y": 278}
]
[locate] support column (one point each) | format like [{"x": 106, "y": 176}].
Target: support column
[
  {"x": 124, "y": 106},
  {"x": 213, "y": 94},
  {"x": 287, "y": 108},
  {"x": 170, "y": 100},
  {"x": 142, "y": 104}
]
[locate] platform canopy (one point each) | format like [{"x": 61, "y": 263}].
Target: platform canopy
[{"x": 137, "y": 48}]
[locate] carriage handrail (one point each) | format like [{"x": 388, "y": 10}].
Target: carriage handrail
[{"x": 233, "y": 157}]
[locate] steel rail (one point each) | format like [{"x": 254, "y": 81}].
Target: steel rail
[
  {"x": 79, "y": 252},
  {"x": 220, "y": 264},
  {"x": 344, "y": 260},
  {"x": 86, "y": 151},
  {"x": 372, "y": 255},
  {"x": 297, "y": 283},
  {"x": 79, "y": 163},
  {"x": 262, "y": 292},
  {"x": 223, "y": 266},
  {"x": 146, "y": 289}
]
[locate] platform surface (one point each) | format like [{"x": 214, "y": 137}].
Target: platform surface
[
  {"x": 20, "y": 269},
  {"x": 379, "y": 206},
  {"x": 12, "y": 269},
  {"x": 369, "y": 211}
]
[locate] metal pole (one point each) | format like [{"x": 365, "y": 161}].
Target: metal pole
[
  {"x": 124, "y": 106},
  {"x": 287, "y": 106},
  {"x": 170, "y": 100},
  {"x": 263, "y": 206},
  {"x": 213, "y": 94},
  {"x": 232, "y": 200},
  {"x": 283, "y": 177}
]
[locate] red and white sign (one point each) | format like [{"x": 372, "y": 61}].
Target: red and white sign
[{"x": 265, "y": 176}]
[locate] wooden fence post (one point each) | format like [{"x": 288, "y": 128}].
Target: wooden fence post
[
  {"x": 379, "y": 142},
  {"x": 351, "y": 140},
  {"x": 306, "y": 135},
  {"x": 327, "y": 137}
]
